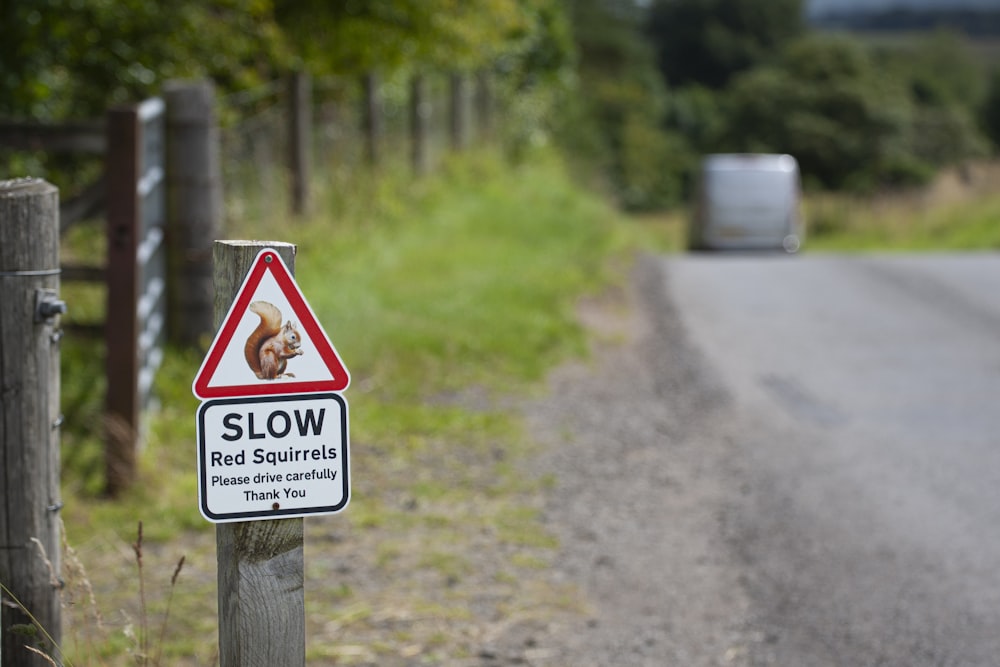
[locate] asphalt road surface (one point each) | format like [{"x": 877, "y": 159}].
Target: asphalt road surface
[{"x": 862, "y": 415}]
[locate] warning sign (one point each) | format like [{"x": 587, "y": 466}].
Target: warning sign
[
  {"x": 270, "y": 342},
  {"x": 273, "y": 457}
]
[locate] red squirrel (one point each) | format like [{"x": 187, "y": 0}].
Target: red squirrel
[{"x": 271, "y": 345}]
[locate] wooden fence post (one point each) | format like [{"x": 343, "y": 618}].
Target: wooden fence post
[
  {"x": 484, "y": 105},
  {"x": 459, "y": 116},
  {"x": 194, "y": 207},
  {"x": 372, "y": 113},
  {"x": 136, "y": 279},
  {"x": 299, "y": 140},
  {"x": 121, "y": 361},
  {"x": 261, "y": 595},
  {"x": 29, "y": 417},
  {"x": 420, "y": 111}
]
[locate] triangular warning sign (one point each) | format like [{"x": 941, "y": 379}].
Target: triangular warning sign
[{"x": 270, "y": 342}]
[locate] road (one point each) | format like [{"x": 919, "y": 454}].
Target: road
[{"x": 862, "y": 416}]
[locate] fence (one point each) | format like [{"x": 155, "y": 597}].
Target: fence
[
  {"x": 160, "y": 190},
  {"x": 132, "y": 192},
  {"x": 284, "y": 135},
  {"x": 164, "y": 164}
]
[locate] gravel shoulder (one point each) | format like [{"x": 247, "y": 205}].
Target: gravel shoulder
[{"x": 644, "y": 492}]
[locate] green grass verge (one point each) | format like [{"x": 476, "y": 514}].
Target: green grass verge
[{"x": 957, "y": 219}]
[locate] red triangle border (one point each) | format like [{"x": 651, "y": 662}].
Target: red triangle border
[{"x": 265, "y": 261}]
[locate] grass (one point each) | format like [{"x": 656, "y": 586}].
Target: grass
[
  {"x": 960, "y": 211},
  {"x": 447, "y": 298}
]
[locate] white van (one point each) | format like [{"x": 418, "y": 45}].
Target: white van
[{"x": 747, "y": 202}]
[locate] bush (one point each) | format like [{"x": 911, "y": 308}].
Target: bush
[
  {"x": 990, "y": 112},
  {"x": 852, "y": 121}
]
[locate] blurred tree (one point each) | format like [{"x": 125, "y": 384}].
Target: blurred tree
[
  {"x": 354, "y": 36},
  {"x": 939, "y": 68},
  {"x": 708, "y": 41},
  {"x": 62, "y": 58},
  {"x": 947, "y": 85},
  {"x": 827, "y": 104},
  {"x": 617, "y": 123},
  {"x": 990, "y": 113},
  {"x": 72, "y": 58}
]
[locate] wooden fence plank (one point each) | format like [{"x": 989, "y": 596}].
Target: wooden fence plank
[{"x": 85, "y": 136}]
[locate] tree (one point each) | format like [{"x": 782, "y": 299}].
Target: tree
[
  {"x": 617, "y": 122},
  {"x": 990, "y": 114},
  {"x": 709, "y": 41},
  {"x": 828, "y": 105},
  {"x": 947, "y": 86},
  {"x": 73, "y": 58},
  {"x": 351, "y": 37},
  {"x": 61, "y": 58}
]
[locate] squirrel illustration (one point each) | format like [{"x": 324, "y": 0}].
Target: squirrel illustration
[{"x": 271, "y": 345}]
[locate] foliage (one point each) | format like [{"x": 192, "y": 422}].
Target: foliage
[
  {"x": 990, "y": 113},
  {"x": 355, "y": 36},
  {"x": 74, "y": 58},
  {"x": 826, "y": 104},
  {"x": 855, "y": 117},
  {"x": 616, "y": 123},
  {"x": 707, "y": 42},
  {"x": 947, "y": 87}
]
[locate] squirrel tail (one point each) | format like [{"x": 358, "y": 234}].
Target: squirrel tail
[{"x": 270, "y": 324}]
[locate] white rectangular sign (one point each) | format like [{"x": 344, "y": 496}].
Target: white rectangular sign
[{"x": 272, "y": 457}]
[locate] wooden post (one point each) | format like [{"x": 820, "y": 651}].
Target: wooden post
[
  {"x": 194, "y": 208},
  {"x": 261, "y": 595},
  {"x": 459, "y": 116},
  {"x": 372, "y": 112},
  {"x": 420, "y": 111},
  {"x": 136, "y": 279},
  {"x": 484, "y": 105},
  {"x": 299, "y": 140},
  {"x": 29, "y": 416},
  {"x": 121, "y": 361}
]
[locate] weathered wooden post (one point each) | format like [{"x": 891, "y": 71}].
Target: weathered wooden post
[
  {"x": 194, "y": 207},
  {"x": 299, "y": 140},
  {"x": 261, "y": 595},
  {"x": 420, "y": 111},
  {"x": 484, "y": 105},
  {"x": 372, "y": 112},
  {"x": 459, "y": 112},
  {"x": 135, "y": 276},
  {"x": 29, "y": 419}
]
